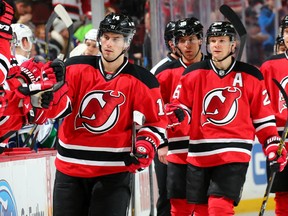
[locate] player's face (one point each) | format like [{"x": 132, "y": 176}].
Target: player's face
[
  {"x": 189, "y": 46},
  {"x": 92, "y": 48},
  {"x": 112, "y": 45},
  {"x": 220, "y": 46}
]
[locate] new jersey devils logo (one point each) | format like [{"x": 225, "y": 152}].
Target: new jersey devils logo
[
  {"x": 282, "y": 103},
  {"x": 99, "y": 111},
  {"x": 220, "y": 106}
]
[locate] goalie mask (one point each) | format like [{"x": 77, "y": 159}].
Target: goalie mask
[{"x": 20, "y": 32}]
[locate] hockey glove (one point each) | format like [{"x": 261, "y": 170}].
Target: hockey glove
[
  {"x": 37, "y": 94},
  {"x": 143, "y": 156},
  {"x": 174, "y": 114},
  {"x": 31, "y": 70},
  {"x": 277, "y": 161},
  {"x": 55, "y": 71},
  {"x": 59, "y": 70},
  {"x": 6, "y": 16}
]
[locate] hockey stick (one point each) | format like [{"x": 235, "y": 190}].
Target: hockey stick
[
  {"x": 64, "y": 16},
  {"x": 238, "y": 25},
  {"x": 138, "y": 118},
  {"x": 59, "y": 11},
  {"x": 279, "y": 151}
]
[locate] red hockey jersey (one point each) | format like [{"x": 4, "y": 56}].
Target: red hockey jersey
[
  {"x": 95, "y": 138},
  {"x": 276, "y": 67},
  {"x": 227, "y": 108},
  {"x": 169, "y": 75}
]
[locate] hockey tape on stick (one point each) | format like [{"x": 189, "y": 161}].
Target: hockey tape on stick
[
  {"x": 238, "y": 25},
  {"x": 279, "y": 151}
]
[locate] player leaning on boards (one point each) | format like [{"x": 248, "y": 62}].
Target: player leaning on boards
[
  {"x": 226, "y": 104},
  {"x": 93, "y": 161},
  {"x": 276, "y": 67}
]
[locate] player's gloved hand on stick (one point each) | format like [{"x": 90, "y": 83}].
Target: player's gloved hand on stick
[
  {"x": 174, "y": 114},
  {"x": 143, "y": 156},
  {"x": 278, "y": 160},
  {"x": 6, "y": 16}
]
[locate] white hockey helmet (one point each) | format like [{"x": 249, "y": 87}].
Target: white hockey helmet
[{"x": 21, "y": 31}]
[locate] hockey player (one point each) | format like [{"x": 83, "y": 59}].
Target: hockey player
[
  {"x": 6, "y": 16},
  {"x": 226, "y": 103},
  {"x": 23, "y": 39},
  {"x": 188, "y": 36},
  {"x": 94, "y": 162},
  {"x": 163, "y": 203},
  {"x": 168, "y": 38},
  {"x": 276, "y": 67}
]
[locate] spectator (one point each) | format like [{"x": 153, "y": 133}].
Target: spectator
[
  {"x": 90, "y": 45},
  {"x": 267, "y": 25},
  {"x": 60, "y": 36}
]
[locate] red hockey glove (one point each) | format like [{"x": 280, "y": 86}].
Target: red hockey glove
[
  {"x": 174, "y": 114},
  {"x": 277, "y": 162},
  {"x": 31, "y": 70},
  {"x": 143, "y": 156},
  {"x": 55, "y": 71},
  {"x": 6, "y": 16}
]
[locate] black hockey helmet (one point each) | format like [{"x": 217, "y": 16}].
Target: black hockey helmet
[
  {"x": 284, "y": 24},
  {"x": 186, "y": 27},
  {"x": 168, "y": 34},
  {"x": 169, "y": 30},
  {"x": 117, "y": 23},
  {"x": 221, "y": 28}
]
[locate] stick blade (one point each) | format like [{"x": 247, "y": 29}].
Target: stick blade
[
  {"x": 233, "y": 18},
  {"x": 62, "y": 13},
  {"x": 138, "y": 117}
]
